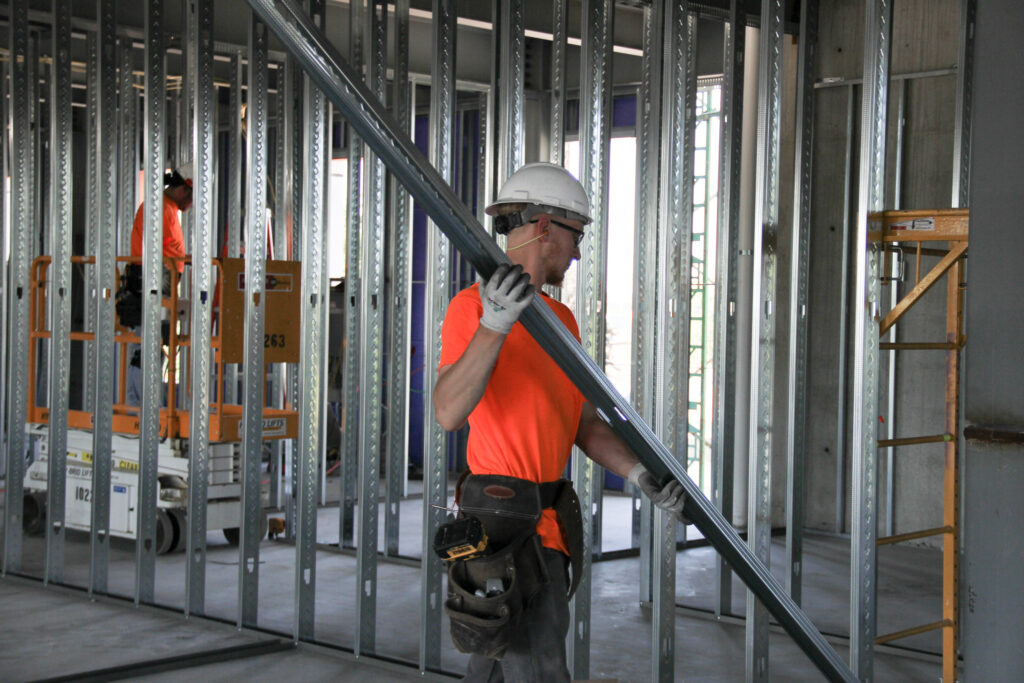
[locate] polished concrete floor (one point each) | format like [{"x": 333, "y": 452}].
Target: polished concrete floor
[{"x": 46, "y": 632}]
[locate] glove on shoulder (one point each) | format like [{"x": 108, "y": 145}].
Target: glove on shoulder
[{"x": 504, "y": 297}]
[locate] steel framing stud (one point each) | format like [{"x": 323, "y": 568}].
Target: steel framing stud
[
  {"x": 92, "y": 211},
  {"x": 22, "y": 228},
  {"x": 152, "y": 270},
  {"x": 762, "y": 363},
  {"x": 866, "y": 302},
  {"x": 648, "y": 151},
  {"x": 371, "y": 344},
  {"x": 723, "y": 441},
  {"x": 595, "y": 140},
  {"x": 964, "y": 98},
  {"x": 437, "y": 292},
  {"x": 59, "y": 296},
  {"x": 401, "y": 292},
  {"x": 800, "y": 255},
  {"x": 204, "y": 100},
  {"x": 353, "y": 300},
  {"x": 312, "y": 378},
  {"x": 105, "y": 284},
  {"x": 254, "y": 369},
  {"x": 511, "y": 34}
]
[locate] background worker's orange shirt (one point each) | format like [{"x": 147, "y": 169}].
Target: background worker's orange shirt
[
  {"x": 174, "y": 243},
  {"x": 526, "y": 421}
]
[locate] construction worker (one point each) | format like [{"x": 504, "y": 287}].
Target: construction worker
[
  {"x": 177, "y": 198},
  {"x": 524, "y": 416}
]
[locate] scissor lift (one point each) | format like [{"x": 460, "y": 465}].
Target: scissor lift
[{"x": 282, "y": 291}]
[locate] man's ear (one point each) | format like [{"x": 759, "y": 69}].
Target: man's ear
[{"x": 543, "y": 229}]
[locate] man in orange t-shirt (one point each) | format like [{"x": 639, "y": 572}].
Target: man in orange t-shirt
[
  {"x": 177, "y": 197},
  {"x": 523, "y": 412}
]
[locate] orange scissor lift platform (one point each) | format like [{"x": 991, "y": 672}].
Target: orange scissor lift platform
[{"x": 281, "y": 345}]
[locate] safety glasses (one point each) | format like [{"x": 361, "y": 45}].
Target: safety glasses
[{"x": 577, "y": 235}]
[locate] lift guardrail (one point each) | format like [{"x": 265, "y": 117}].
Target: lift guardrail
[{"x": 364, "y": 112}]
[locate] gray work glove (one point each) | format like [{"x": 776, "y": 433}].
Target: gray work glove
[
  {"x": 504, "y": 297},
  {"x": 669, "y": 497}
]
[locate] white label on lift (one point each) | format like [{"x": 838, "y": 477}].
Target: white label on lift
[
  {"x": 915, "y": 224},
  {"x": 273, "y": 426}
]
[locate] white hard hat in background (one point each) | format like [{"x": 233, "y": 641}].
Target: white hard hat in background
[{"x": 549, "y": 188}]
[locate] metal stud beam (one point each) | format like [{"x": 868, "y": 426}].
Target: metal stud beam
[
  {"x": 401, "y": 292},
  {"x": 5, "y": 229},
  {"x": 595, "y": 142},
  {"x": 312, "y": 378},
  {"x": 436, "y": 295},
  {"x": 92, "y": 210},
  {"x": 359, "y": 106},
  {"x": 371, "y": 344},
  {"x": 671, "y": 395},
  {"x": 104, "y": 283},
  {"x": 559, "y": 47},
  {"x": 152, "y": 310},
  {"x": 59, "y": 296},
  {"x": 964, "y": 98},
  {"x": 353, "y": 298},
  {"x": 236, "y": 145},
  {"x": 726, "y": 295},
  {"x": 800, "y": 255},
  {"x": 204, "y": 102},
  {"x": 254, "y": 370},
  {"x": 866, "y": 303},
  {"x": 762, "y": 363},
  {"x": 22, "y": 229},
  {"x": 511, "y": 33},
  {"x": 645, "y": 252},
  {"x": 128, "y": 164}
]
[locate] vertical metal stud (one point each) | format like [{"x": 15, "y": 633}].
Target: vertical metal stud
[
  {"x": 21, "y": 233},
  {"x": 353, "y": 298},
  {"x": 673, "y": 313},
  {"x": 204, "y": 101},
  {"x": 866, "y": 300},
  {"x": 128, "y": 163},
  {"x": 511, "y": 100},
  {"x": 401, "y": 291},
  {"x": 5, "y": 230},
  {"x": 296, "y": 122},
  {"x": 964, "y": 99},
  {"x": 91, "y": 214},
  {"x": 648, "y": 151},
  {"x": 253, "y": 382},
  {"x": 595, "y": 141},
  {"x": 152, "y": 309},
  {"x": 762, "y": 363},
  {"x": 842, "y": 399},
  {"x": 559, "y": 47},
  {"x": 105, "y": 232},
  {"x": 723, "y": 441},
  {"x": 60, "y": 286},
  {"x": 236, "y": 145},
  {"x": 436, "y": 295},
  {"x": 371, "y": 344},
  {"x": 800, "y": 254},
  {"x": 312, "y": 378}
]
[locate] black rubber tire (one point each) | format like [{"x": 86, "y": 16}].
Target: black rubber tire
[
  {"x": 232, "y": 534},
  {"x": 33, "y": 513},
  {"x": 180, "y": 529},
  {"x": 165, "y": 532}
]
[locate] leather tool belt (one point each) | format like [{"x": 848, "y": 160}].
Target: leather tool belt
[{"x": 486, "y": 594}]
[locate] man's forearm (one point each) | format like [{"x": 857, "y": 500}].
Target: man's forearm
[
  {"x": 602, "y": 445},
  {"x": 460, "y": 386}
]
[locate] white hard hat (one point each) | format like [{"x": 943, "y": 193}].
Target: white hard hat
[{"x": 545, "y": 188}]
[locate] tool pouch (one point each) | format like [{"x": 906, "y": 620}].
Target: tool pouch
[{"x": 481, "y": 620}]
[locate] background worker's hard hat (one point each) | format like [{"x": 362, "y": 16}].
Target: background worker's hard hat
[
  {"x": 186, "y": 172},
  {"x": 548, "y": 187}
]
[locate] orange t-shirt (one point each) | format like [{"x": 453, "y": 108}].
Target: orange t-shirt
[
  {"x": 174, "y": 243},
  {"x": 527, "y": 419}
]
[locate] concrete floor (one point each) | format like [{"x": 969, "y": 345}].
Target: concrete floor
[{"x": 46, "y": 632}]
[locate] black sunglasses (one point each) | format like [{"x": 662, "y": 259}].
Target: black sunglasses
[{"x": 577, "y": 235}]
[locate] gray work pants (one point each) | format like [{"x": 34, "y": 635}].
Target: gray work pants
[{"x": 536, "y": 652}]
